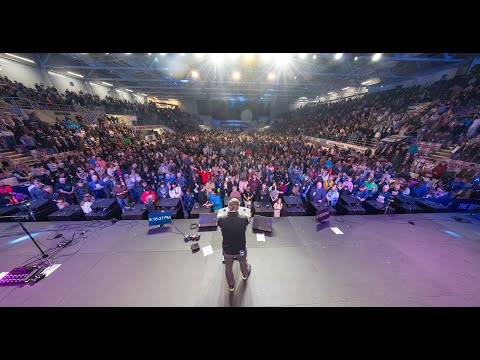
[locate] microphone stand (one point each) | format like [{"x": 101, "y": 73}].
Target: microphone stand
[{"x": 19, "y": 220}]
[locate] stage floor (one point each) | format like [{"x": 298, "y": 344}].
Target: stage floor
[{"x": 377, "y": 261}]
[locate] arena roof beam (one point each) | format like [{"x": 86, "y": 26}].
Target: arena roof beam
[{"x": 113, "y": 68}]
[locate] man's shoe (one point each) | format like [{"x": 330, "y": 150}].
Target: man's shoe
[
  {"x": 232, "y": 289},
  {"x": 249, "y": 271}
]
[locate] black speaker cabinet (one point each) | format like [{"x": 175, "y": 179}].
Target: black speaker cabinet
[
  {"x": 349, "y": 200},
  {"x": 292, "y": 200},
  {"x": 136, "y": 212},
  {"x": 314, "y": 206},
  {"x": 8, "y": 211},
  {"x": 373, "y": 207},
  {"x": 349, "y": 209},
  {"x": 431, "y": 206},
  {"x": 262, "y": 225},
  {"x": 262, "y": 209},
  {"x": 207, "y": 222},
  {"x": 172, "y": 205},
  {"x": 40, "y": 209},
  {"x": 105, "y": 204},
  {"x": 199, "y": 209},
  {"x": 294, "y": 206},
  {"x": 71, "y": 212},
  {"x": 403, "y": 199}
]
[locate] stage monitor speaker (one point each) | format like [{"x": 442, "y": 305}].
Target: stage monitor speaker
[
  {"x": 349, "y": 209},
  {"x": 207, "y": 222},
  {"x": 403, "y": 199},
  {"x": 349, "y": 200},
  {"x": 431, "y": 206},
  {"x": 136, "y": 212},
  {"x": 373, "y": 207},
  {"x": 40, "y": 209},
  {"x": 263, "y": 209},
  {"x": 294, "y": 206},
  {"x": 8, "y": 211},
  {"x": 105, "y": 204},
  {"x": 172, "y": 205},
  {"x": 199, "y": 209},
  {"x": 292, "y": 200},
  {"x": 262, "y": 225},
  {"x": 71, "y": 212},
  {"x": 104, "y": 209},
  {"x": 314, "y": 206}
]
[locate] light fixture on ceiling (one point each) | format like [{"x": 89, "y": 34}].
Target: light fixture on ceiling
[
  {"x": 314, "y": 57},
  {"x": 20, "y": 58},
  {"x": 75, "y": 74},
  {"x": 376, "y": 56},
  {"x": 338, "y": 56}
]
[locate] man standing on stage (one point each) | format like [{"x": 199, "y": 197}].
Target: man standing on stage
[{"x": 234, "y": 243}]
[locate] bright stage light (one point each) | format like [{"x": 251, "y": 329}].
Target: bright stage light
[
  {"x": 199, "y": 55},
  {"x": 338, "y": 56},
  {"x": 376, "y": 56},
  {"x": 302, "y": 56},
  {"x": 266, "y": 57},
  {"x": 271, "y": 76},
  {"x": 356, "y": 58},
  {"x": 194, "y": 74},
  {"x": 282, "y": 59},
  {"x": 314, "y": 57},
  {"x": 217, "y": 58},
  {"x": 236, "y": 75}
]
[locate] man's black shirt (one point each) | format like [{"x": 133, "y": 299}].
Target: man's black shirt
[{"x": 233, "y": 230}]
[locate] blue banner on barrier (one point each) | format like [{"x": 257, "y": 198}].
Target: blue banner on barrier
[
  {"x": 459, "y": 205},
  {"x": 159, "y": 218}
]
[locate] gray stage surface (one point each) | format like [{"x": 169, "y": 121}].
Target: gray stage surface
[{"x": 378, "y": 261}]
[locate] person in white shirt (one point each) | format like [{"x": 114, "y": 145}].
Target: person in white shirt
[
  {"x": 86, "y": 204},
  {"x": 175, "y": 192}
]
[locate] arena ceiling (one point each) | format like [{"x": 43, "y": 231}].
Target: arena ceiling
[{"x": 248, "y": 76}]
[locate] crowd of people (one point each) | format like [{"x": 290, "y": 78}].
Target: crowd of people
[
  {"x": 204, "y": 167},
  {"x": 451, "y": 116}
]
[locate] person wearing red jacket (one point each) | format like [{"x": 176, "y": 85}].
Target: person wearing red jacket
[
  {"x": 205, "y": 175},
  {"x": 148, "y": 191}
]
